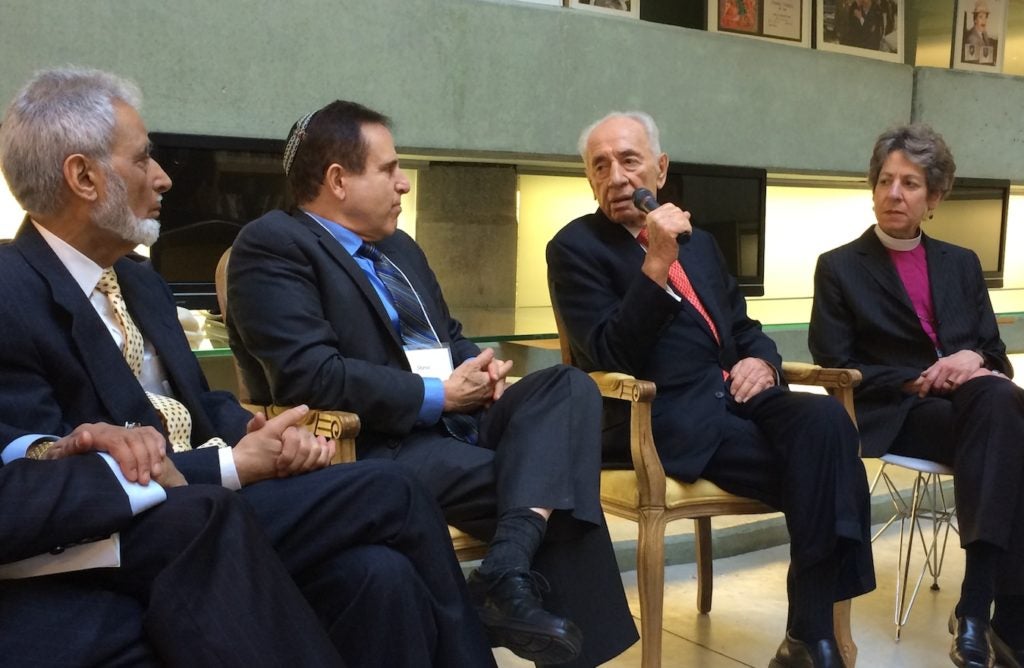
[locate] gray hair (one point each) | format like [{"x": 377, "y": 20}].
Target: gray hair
[
  {"x": 641, "y": 117},
  {"x": 924, "y": 147},
  {"x": 58, "y": 113}
]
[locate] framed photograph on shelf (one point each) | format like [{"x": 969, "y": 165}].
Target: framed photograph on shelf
[
  {"x": 620, "y": 7},
  {"x": 785, "y": 20},
  {"x": 870, "y": 28},
  {"x": 979, "y": 35}
]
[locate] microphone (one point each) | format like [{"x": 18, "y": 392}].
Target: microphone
[{"x": 645, "y": 200}]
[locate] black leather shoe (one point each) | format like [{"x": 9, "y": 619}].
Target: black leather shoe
[
  {"x": 510, "y": 607},
  {"x": 1006, "y": 656},
  {"x": 795, "y": 653},
  {"x": 972, "y": 647}
]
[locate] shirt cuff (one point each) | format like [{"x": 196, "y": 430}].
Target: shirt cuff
[
  {"x": 433, "y": 402},
  {"x": 17, "y": 448},
  {"x": 228, "y": 472},
  {"x": 141, "y": 497}
]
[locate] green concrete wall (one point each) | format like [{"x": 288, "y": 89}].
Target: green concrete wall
[
  {"x": 980, "y": 115},
  {"x": 468, "y": 75}
]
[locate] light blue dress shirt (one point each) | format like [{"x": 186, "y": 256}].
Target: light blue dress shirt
[{"x": 433, "y": 388}]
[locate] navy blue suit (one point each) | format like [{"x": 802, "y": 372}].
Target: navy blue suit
[
  {"x": 791, "y": 450},
  {"x": 364, "y": 542},
  {"x": 330, "y": 343},
  {"x": 177, "y": 553}
]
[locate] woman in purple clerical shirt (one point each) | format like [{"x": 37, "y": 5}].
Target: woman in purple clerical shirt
[{"x": 913, "y": 315}]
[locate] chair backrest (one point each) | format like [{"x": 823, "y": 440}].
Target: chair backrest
[
  {"x": 221, "y": 281},
  {"x": 563, "y": 338}
]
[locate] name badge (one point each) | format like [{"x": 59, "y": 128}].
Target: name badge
[{"x": 431, "y": 362}]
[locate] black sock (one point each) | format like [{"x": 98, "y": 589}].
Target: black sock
[
  {"x": 979, "y": 575},
  {"x": 1008, "y": 620},
  {"x": 811, "y": 601},
  {"x": 516, "y": 539}
]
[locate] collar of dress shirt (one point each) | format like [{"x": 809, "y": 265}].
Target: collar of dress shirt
[
  {"x": 349, "y": 240},
  {"x": 892, "y": 243},
  {"x": 85, "y": 272}
]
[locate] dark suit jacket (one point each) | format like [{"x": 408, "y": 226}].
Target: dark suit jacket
[
  {"x": 617, "y": 319},
  {"x": 50, "y": 504},
  {"x": 863, "y": 319},
  {"x": 64, "y": 338},
  {"x": 315, "y": 331}
]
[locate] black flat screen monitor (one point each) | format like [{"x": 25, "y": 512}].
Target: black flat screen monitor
[
  {"x": 973, "y": 215},
  {"x": 219, "y": 184},
  {"x": 729, "y": 203}
]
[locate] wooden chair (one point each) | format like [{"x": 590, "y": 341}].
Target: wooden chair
[
  {"x": 342, "y": 426},
  {"x": 645, "y": 495}
]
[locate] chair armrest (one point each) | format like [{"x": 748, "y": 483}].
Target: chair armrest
[
  {"x": 341, "y": 426},
  {"x": 838, "y": 382},
  {"x": 646, "y": 462},
  {"x": 614, "y": 385}
]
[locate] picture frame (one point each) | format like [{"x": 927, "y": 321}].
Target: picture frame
[
  {"x": 787, "y": 21},
  {"x": 979, "y": 35},
  {"x": 629, "y": 8},
  {"x": 869, "y": 28},
  {"x": 552, "y": 3}
]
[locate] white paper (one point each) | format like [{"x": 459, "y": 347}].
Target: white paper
[{"x": 105, "y": 553}]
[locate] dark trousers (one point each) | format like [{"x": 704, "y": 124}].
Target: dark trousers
[
  {"x": 370, "y": 550},
  {"x": 539, "y": 447},
  {"x": 199, "y": 585},
  {"x": 798, "y": 452},
  {"x": 978, "y": 430}
]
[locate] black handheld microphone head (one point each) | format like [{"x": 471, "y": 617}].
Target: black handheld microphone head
[{"x": 645, "y": 200}]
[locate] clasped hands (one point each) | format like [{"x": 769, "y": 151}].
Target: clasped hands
[
  {"x": 749, "y": 377},
  {"x": 270, "y": 448},
  {"x": 948, "y": 373},
  {"x": 476, "y": 383}
]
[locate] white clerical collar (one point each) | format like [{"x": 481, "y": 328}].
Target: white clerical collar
[
  {"x": 85, "y": 272},
  {"x": 892, "y": 243}
]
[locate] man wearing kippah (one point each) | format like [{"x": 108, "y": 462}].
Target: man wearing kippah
[
  {"x": 99, "y": 341},
  {"x": 357, "y": 322}
]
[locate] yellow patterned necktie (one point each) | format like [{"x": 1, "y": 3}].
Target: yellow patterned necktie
[
  {"x": 174, "y": 415},
  {"x": 132, "y": 349}
]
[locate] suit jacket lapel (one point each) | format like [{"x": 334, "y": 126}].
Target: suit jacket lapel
[
  {"x": 877, "y": 264},
  {"x": 159, "y": 327},
  {"x": 338, "y": 253},
  {"x": 940, "y": 274},
  {"x": 115, "y": 384},
  {"x": 697, "y": 271}
]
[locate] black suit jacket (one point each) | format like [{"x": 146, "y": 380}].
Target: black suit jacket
[
  {"x": 617, "y": 319},
  {"x": 64, "y": 338},
  {"x": 863, "y": 319},
  {"x": 314, "y": 331}
]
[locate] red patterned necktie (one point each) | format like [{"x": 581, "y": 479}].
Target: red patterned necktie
[{"x": 681, "y": 284}]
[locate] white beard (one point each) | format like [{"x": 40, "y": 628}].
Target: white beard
[{"x": 114, "y": 215}]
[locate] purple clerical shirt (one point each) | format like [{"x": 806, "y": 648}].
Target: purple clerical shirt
[{"x": 912, "y": 266}]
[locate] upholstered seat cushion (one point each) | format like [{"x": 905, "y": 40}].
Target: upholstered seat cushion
[{"x": 621, "y": 487}]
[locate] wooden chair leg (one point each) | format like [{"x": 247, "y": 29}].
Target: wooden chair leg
[
  {"x": 705, "y": 567},
  {"x": 841, "y": 625},
  {"x": 650, "y": 578}
]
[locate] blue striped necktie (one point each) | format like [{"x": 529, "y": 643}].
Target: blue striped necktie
[{"x": 415, "y": 327}]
